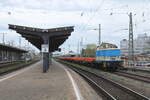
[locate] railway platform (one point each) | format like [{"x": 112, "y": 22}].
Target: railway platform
[{"x": 59, "y": 83}]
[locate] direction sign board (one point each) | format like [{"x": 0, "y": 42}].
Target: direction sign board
[{"x": 45, "y": 48}]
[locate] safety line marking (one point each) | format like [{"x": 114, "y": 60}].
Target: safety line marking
[{"x": 75, "y": 87}]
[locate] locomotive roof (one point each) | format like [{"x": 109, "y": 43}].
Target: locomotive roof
[{"x": 107, "y": 45}]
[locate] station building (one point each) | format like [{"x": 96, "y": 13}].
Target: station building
[
  {"x": 141, "y": 45},
  {"x": 10, "y": 53},
  {"x": 141, "y": 50}
]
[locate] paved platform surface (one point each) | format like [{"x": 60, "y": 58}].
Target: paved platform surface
[{"x": 59, "y": 83}]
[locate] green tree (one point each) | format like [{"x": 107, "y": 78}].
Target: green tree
[{"x": 89, "y": 51}]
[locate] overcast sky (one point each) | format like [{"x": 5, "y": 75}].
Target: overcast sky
[{"x": 85, "y": 15}]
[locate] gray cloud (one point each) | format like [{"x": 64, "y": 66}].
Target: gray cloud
[
  {"x": 56, "y": 13},
  {"x": 55, "y": 5}
]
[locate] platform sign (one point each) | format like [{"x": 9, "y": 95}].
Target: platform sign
[{"x": 45, "y": 48}]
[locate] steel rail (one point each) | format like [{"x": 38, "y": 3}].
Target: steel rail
[
  {"x": 129, "y": 91},
  {"x": 135, "y": 69},
  {"x": 134, "y": 76},
  {"x": 98, "y": 88}
]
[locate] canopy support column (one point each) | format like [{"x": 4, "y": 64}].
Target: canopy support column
[
  {"x": 46, "y": 55},
  {"x": 50, "y": 54}
]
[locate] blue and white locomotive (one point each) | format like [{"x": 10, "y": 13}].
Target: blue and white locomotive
[{"x": 108, "y": 56}]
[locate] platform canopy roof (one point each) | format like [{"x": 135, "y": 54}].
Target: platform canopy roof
[
  {"x": 36, "y": 36},
  {"x": 11, "y": 48}
]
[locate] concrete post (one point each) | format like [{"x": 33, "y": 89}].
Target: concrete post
[
  {"x": 45, "y": 62},
  {"x": 45, "y": 56},
  {"x": 50, "y": 55}
]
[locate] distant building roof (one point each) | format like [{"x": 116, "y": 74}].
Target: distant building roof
[
  {"x": 124, "y": 40},
  {"x": 11, "y": 48},
  {"x": 107, "y": 45},
  {"x": 142, "y": 35}
]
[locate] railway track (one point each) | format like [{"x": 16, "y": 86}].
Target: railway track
[
  {"x": 110, "y": 89},
  {"x": 135, "y": 69},
  {"x": 13, "y": 67},
  {"x": 5, "y": 64},
  {"x": 134, "y": 76}
]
